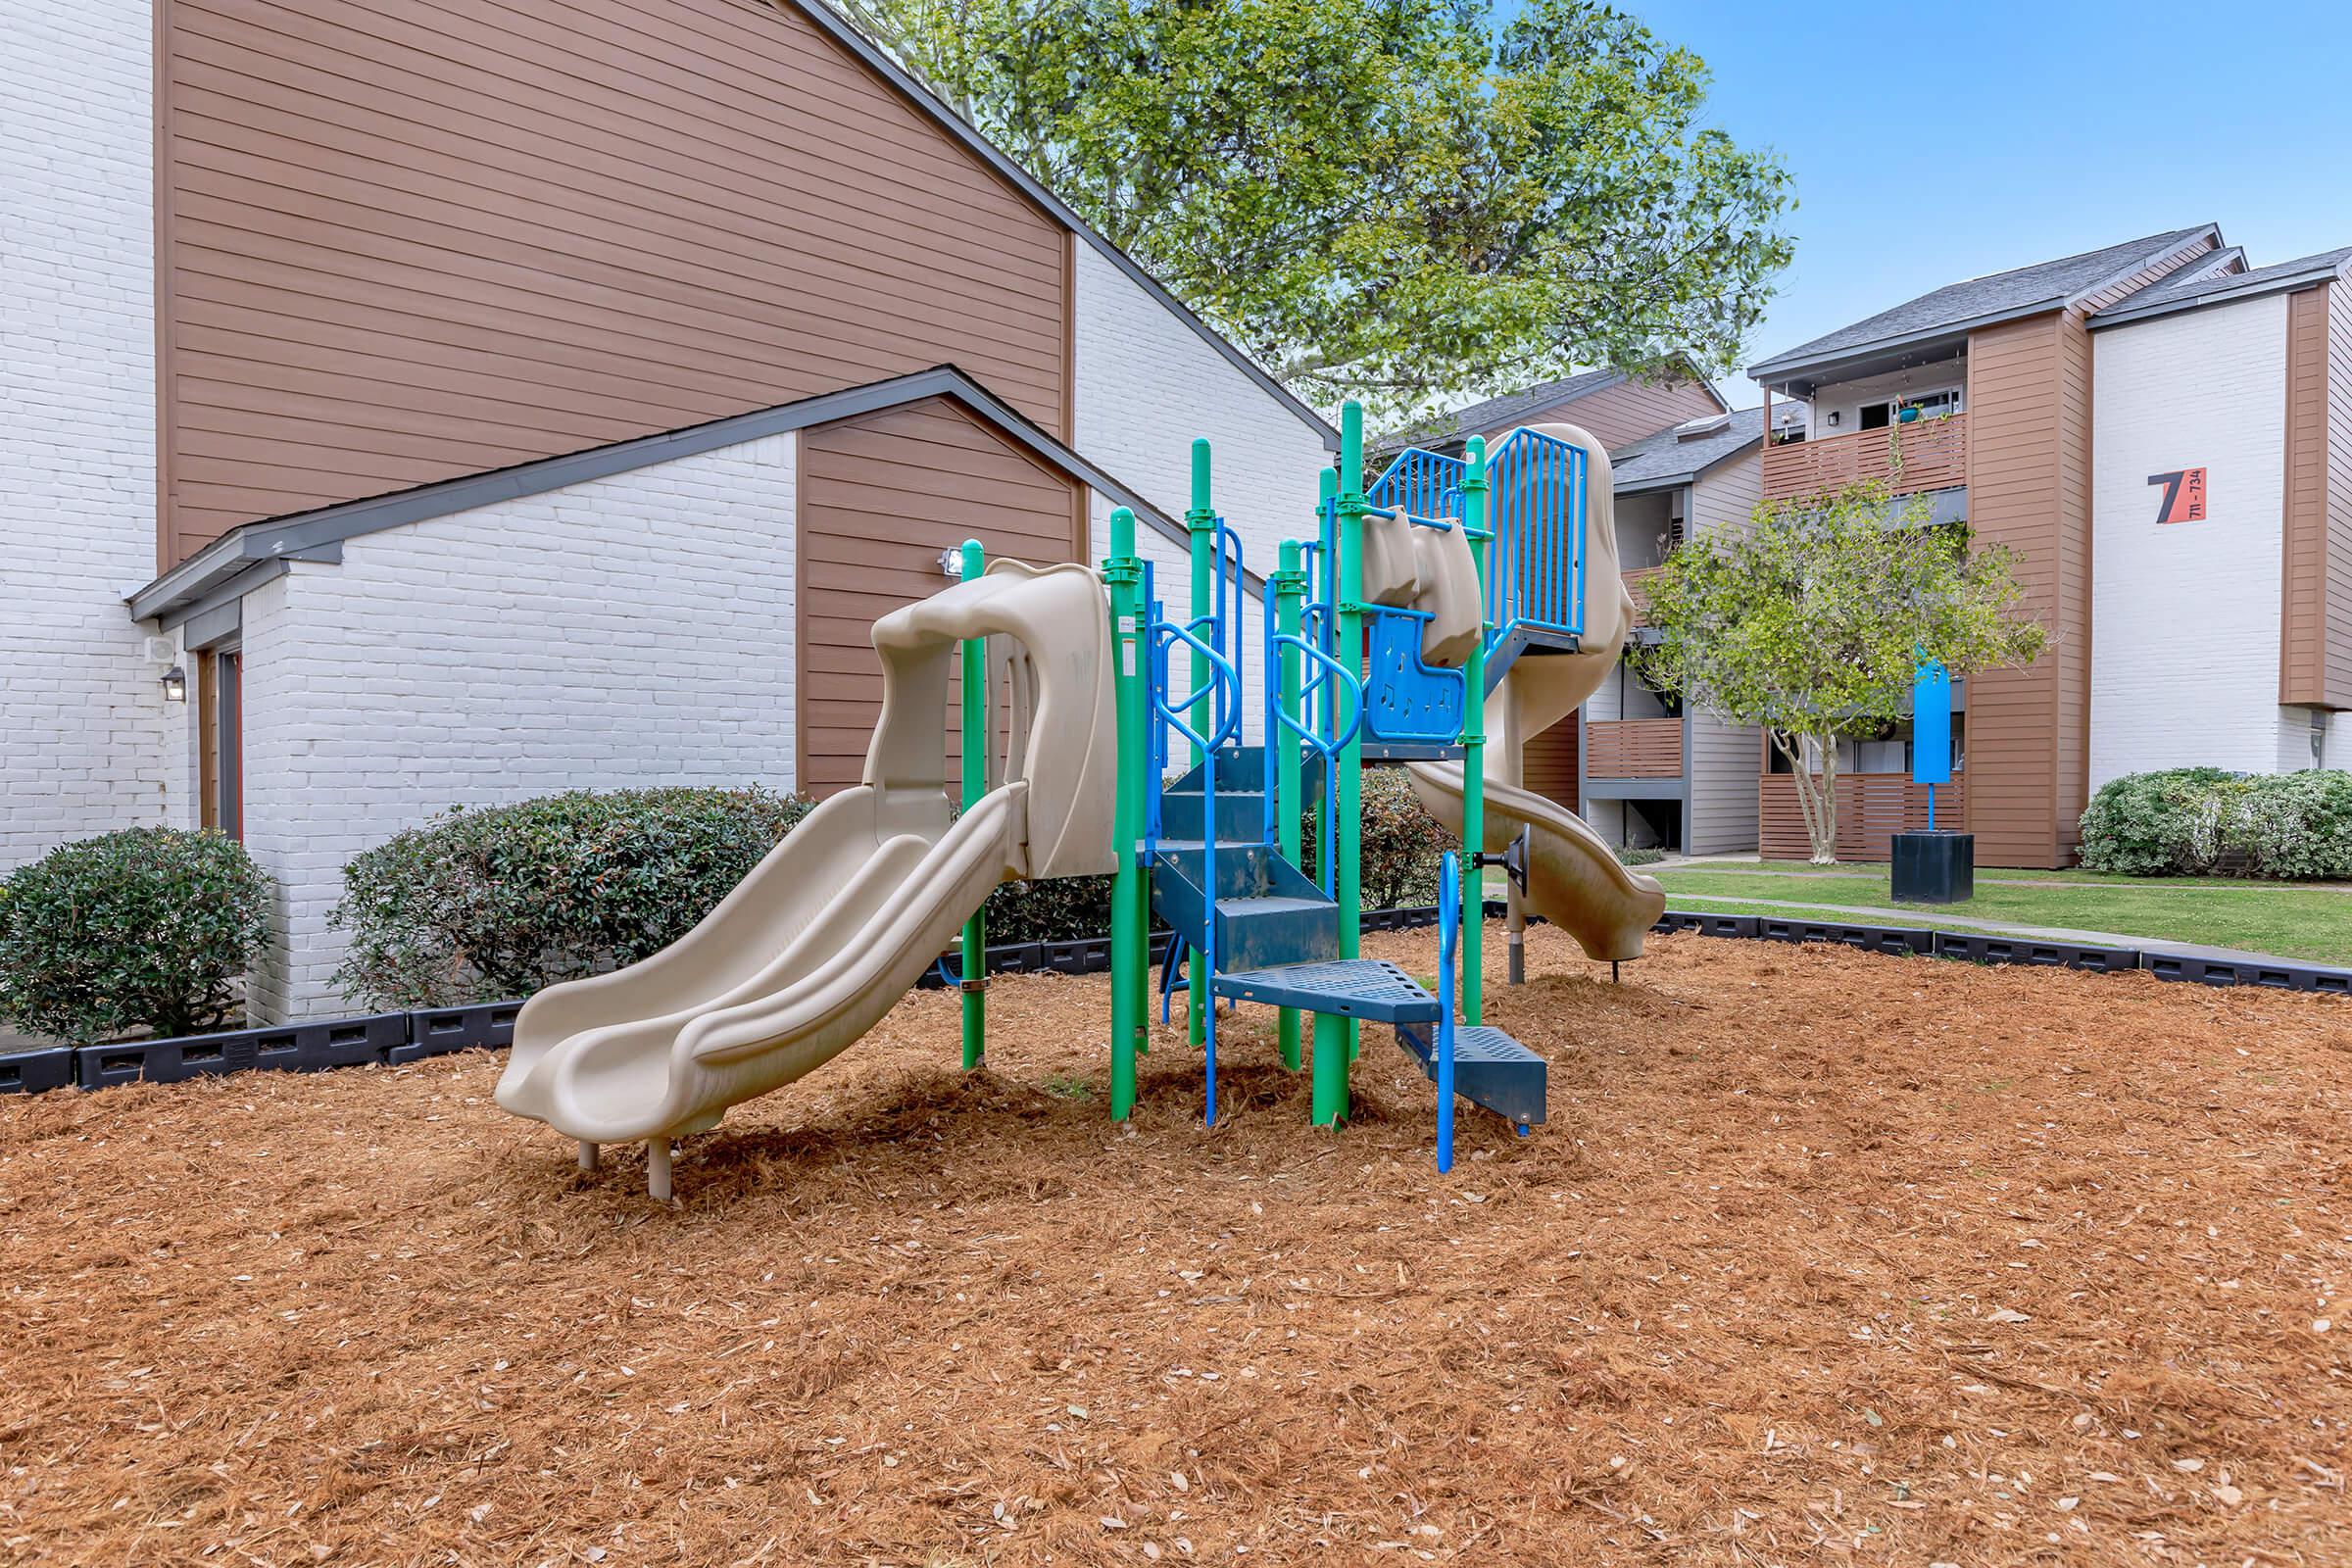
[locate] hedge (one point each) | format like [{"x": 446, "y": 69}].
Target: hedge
[
  {"x": 488, "y": 903},
  {"x": 146, "y": 929},
  {"x": 2202, "y": 821}
]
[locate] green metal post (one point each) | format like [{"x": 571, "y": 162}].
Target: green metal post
[
  {"x": 1130, "y": 924},
  {"x": 1335, "y": 1036},
  {"x": 974, "y": 727},
  {"x": 1474, "y": 743},
  {"x": 1200, "y": 523},
  {"x": 1290, "y": 587}
]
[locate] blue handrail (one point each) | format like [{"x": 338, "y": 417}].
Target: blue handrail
[
  {"x": 1222, "y": 690},
  {"x": 1449, "y": 929},
  {"x": 1328, "y": 748}
]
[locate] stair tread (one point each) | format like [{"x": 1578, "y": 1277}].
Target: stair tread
[
  {"x": 1491, "y": 1069},
  {"x": 1271, "y": 902},
  {"x": 1355, "y": 988}
]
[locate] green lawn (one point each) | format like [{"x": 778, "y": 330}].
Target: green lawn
[{"x": 2292, "y": 921}]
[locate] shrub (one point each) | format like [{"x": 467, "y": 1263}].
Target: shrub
[
  {"x": 142, "y": 929},
  {"x": 488, "y": 903},
  {"x": 2202, "y": 820},
  {"x": 1638, "y": 855},
  {"x": 1070, "y": 908},
  {"x": 1400, "y": 845}
]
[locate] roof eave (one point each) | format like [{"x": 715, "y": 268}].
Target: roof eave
[
  {"x": 1770, "y": 372},
  {"x": 318, "y": 535},
  {"x": 2291, "y": 283}
]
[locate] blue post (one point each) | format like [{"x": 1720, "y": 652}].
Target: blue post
[{"x": 1449, "y": 899}]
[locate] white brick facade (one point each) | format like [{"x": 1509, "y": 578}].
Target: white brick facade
[
  {"x": 631, "y": 630},
  {"x": 1147, "y": 385},
  {"x": 85, "y": 728},
  {"x": 2186, "y": 617}
]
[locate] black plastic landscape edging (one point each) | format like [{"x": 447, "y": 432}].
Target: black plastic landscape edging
[
  {"x": 34, "y": 1072},
  {"x": 442, "y": 1030},
  {"x": 1987, "y": 947},
  {"x": 284, "y": 1048}
]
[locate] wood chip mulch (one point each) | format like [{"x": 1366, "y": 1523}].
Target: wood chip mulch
[{"x": 1823, "y": 1257}]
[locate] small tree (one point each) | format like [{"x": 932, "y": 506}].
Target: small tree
[{"x": 1811, "y": 623}]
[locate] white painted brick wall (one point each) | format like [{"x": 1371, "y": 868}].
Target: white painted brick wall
[
  {"x": 84, "y": 725},
  {"x": 631, "y": 630},
  {"x": 2186, "y": 617},
  {"x": 1147, "y": 386}
]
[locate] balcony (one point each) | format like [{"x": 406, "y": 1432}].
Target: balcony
[
  {"x": 1933, "y": 456},
  {"x": 1637, "y": 583},
  {"x": 1871, "y": 808},
  {"x": 1633, "y": 748}
]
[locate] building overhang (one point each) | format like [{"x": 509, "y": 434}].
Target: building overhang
[{"x": 245, "y": 557}]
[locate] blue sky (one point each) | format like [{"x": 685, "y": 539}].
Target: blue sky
[{"x": 1941, "y": 142}]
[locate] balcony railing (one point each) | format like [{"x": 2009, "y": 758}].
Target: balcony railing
[
  {"x": 1871, "y": 808},
  {"x": 1637, "y": 583},
  {"x": 1633, "y": 748},
  {"x": 1933, "y": 456}
]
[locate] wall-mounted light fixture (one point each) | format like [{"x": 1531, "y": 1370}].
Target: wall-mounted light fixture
[
  {"x": 1835, "y": 418},
  {"x": 951, "y": 562},
  {"x": 175, "y": 685}
]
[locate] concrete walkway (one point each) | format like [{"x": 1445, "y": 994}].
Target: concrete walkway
[{"x": 1879, "y": 914}]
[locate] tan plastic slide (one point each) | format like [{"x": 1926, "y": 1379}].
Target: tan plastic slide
[
  {"x": 834, "y": 925},
  {"x": 1573, "y": 879}
]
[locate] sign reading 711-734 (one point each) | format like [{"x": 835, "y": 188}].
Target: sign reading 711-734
[{"x": 2184, "y": 495}]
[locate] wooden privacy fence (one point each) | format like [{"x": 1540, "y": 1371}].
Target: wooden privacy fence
[{"x": 1871, "y": 808}]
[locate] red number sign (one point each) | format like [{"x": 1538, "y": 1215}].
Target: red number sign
[{"x": 2184, "y": 495}]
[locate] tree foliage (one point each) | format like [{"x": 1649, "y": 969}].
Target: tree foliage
[
  {"x": 1392, "y": 199},
  {"x": 1812, "y": 620}
]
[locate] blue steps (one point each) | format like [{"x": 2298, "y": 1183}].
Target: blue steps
[
  {"x": 1370, "y": 989},
  {"x": 1491, "y": 1069}
]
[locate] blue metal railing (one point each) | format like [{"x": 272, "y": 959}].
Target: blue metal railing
[
  {"x": 1222, "y": 691},
  {"x": 1315, "y": 698},
  {"x": 1535, "y": 518},
  {"x": 1449, "y": 932}
]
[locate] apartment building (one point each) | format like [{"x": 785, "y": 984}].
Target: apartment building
[
  {"x": 417, "y": 404},
  {"x": 2163, "y": 436}
]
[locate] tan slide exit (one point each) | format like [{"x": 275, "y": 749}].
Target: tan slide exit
[
  {"x": 1573, "y": 879},
  {"x": 833, "y": 926}
]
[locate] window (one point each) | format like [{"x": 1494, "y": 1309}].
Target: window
[{"x": 220, "y": 756}]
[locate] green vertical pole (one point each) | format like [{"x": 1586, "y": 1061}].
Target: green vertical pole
[
  {"x": 1200, "y": 523},
  {"x": 1335, "y": 1036},
  {"x": 1290, "y": 587},
  {"x": 974, "y": 727},
  {"x": 1130, "y": 926},
  {"x": 1474, "y": 743}
]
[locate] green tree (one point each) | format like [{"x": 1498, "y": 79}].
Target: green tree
[
  {"x": 1811, "y": 622},
  {"x": 1390, "y": 199}
]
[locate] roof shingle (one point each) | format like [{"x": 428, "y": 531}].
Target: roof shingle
[
  {"x": 2177, "y": 294},
  {"x": 2051, "y": 283},
  {"x": 1665, "y": 458}
]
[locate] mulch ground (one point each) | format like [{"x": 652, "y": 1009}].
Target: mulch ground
[{"x": 1823, "y": 1257}]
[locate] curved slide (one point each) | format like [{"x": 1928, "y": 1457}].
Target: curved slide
[
  {"x": 1573, "y": 879},
  {"x": 832, "y": 927}
]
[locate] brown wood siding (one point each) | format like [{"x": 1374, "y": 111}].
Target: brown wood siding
[
  {"x": 2029, "y": 487},
  {"x": 1871, "y": 808},
  {"x": 1633, "y": 748},
  {"x": 2340, "y": 495},
  {"x": 880, "y": 497},
  {"x": 1625, "y": 412},
  {"x": 2303, "y": 673},
  {"x": 1547, "y": 762},
  {"x": 411, "y": 239}
]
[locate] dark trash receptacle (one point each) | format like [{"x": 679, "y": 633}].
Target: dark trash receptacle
[{"x": 1935, "y": 867}]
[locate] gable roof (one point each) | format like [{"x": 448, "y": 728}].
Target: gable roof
[
  {"x": 1983, "y": 301},
  {"x": 877, "y": 59},
  {"x": 1670, "y": 457},
  {"x": 2226, "y": 288},
  {"x": 253, "y": 553},
  {"x": 1514, "y": 408}
]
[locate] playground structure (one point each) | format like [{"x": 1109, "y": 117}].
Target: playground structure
[{"x": 1445, "y": 578}]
